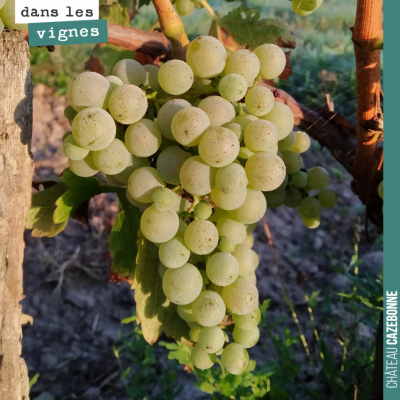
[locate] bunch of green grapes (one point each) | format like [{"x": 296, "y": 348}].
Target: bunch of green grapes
[
  {"x": 306, "y": 7},
  {"x": 200, "y": 167}
]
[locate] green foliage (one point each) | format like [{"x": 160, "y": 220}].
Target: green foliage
[
  {"x": 115, "y": 13},
  {"x": 33, "y": 380}
]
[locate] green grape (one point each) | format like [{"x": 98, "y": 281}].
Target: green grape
[
  {"x": 7, "y": 15},
  {"x": 113, "y": 159},
  {"x": 307, "y": 5},
  {"x": 134, "y": 202},
  {"x": 261, "y": 136},
  {"x": 231, "y": 179},
  {"x": 287, "y": 143},
  {"x": 113, "y": 181},
  {"x": 143, "y": 138},
  {"x": 259, "y": 101},
  {"x": 197, "y": 177},
  {"x": 130, "y": 72},
  {"x": 266, "y": 171},
  {"x": 193, "y": 324},
  {"x": 167, "y": 113},
  {"x": 70, "y": 114},
  {"x": 299, "y": 179},
  {"x": 127, "y": 104},
  {"x": 222, "y": 269},
  {"x": 241, "y": 297},
  {"x": 143, "y": 182},
  {"x": 293, "y": 197},
  {"x": 247, "y": 258},
  {"x": 159, "y": 226},
  {"x": 233, "y": 230},
  {"x": 163, "y": 199},
  {"x": 211, "y": 339},
  {"x": 169, "y": 164},
  {"x": 206, "y": 56},
  {"x": 282, "y": 117},
  {"x": 174, "y": 253},
  {"x": 243, "y": 62},
  {"x": 162, "y": 269},
  {"x": 175, "y": 77},
  {"x": 293, "y": 161},
  {"x": 302, "y": 142},
  {"x": 244, "y": 119},
  {"x": 201, "y": 359},
  {"x": 218, "y": 213},
  {"x": 185, "y": 7},
  {"x": 311, "y": 223},
  {"x": 181, "y": 229},
  {"x": 328, "y": 198},
  {"x": 188, "y": 126},
  {"x": 89, "y": 89},
  {"x": 83, "y": 168},
  {"x": 202, "y": 210},
  {"x": 209, "y": 308},
  {"x": 151, "y": 76},
  {"x": 251, "y": 227},
  {"x": 245, "y": 153},
  {"x": 235, "y": 358},
  {"x": 181, "y": 204},
  {"x": 276, "y": 198},
  {"x": 226, "y": 245},
  {"x": 247, "y": 338},
  {"x": 318, "y": 178},
  {"x": 219, "y": 147},
  {"x": 194, "y": 333},
  {"x": 219, "y": 110},
  {"x": 233, "y": 87},
  {"x": 248, "y": 240},
  {"x": 185, "y": 312},
  {"x": 247, "y": 321},
  {"x": 182, "y": 285},
  {"x": 236, "y": 129},
  {"x": 309, "y": 207},
  {"x": 93, "y": 129},
  {"x": 72, "y": 149},
  {"x": 299, "y": 11},
  {"x": 380, "y": 190},
  {"x": 114, "y": 82},
  {"x": 228, "y": 201},
  {"x": 133, "y": 164},
  {"x": 272, "y": 60},
  {"x": 253, "y": 208},
  {"x": 201, "y": 237}
]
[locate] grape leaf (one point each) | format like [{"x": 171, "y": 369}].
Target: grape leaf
[
  {"x": 154, "y": 311},
  {"x": 247, "y": 27},
  {"x": 116, "y": 14}
]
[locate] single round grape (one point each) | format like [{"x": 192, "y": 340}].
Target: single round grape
[
  {"x": 222, "y": 269},
  {"x": 262, "y": 136},
  {"x": 175, "y": 77},
  {"x": 209, "y": 308},
  {"x": 307, "y": 5},
  {"x": 201, "y": 237},
  {"x": 231, "y": 229},
  {"x": 211, "y": 339},
  {"x": 89, "y": 89},
  {"x": 159, "y": 226},
  {"x": 219, "y": 147},
  {"x": 143, "y": 138},
  {"x": 235, "y": 358},
  {"x": 169, "y": 164},
  {"x": 114, "y": 82},
  {"x": 244, "y": 119},
  {"x": 282, "y": 117},
  {"x": 272, "y": 60},
  {"x": 318, "y": 178},
  {"x": 226, "y": 245},
  {"x": 182, "y": 285},
  {"x": 151, "y": 76},
  {"x": 188, "y": 125},
  {"x": 167, "y": 113},
  {"x": 380, "y": 190},
  {"x": 7, "y": 15},
  {"x": 287, "y": 143},
  {"x": 293, "y": 197},
  {"x": 219, "y": 110},
  {"x": 130, "y": 72},
  {"x": 309, "y": 207},
  {"x": 240, "y": 297},
  {"x": 163, "y": 199},
  {"x": 328, "y": 198},
  {"x": 228, "y": 201},
  {"x": 247, "y": 258},
  {"x": 248, "y": 241},
  {"x": 83, "y": 168},
  {"x": 299, "y": 179},
  {"x": 185, "y": 7},
  {"x": 236, "y": 129},
  {"x": 253, "y": 208},
  {"x": 185, "y": 312},
  {"x": 311, "y": 223},
  {"x": 93, "y": 129},
  {"x": 201, "y": 359},
  {"x": 293, "y": 161},
  {"x": 113, "y": 159},
  {"x": 197, "y": 177},
  {"x": 174, "y": 253},
  {"x": 194, "y": 334},
  {"x": 231, "y": 179},
  {"x": 302, "y": 142},
  {"x": 134, "y": 202},
  {"x": 299, "y": 11},
  {"x": 72, "y": 149},
  {"x": 245, "y": 153},
  {"x": 266, "y": 171},
  {"x": 133, "y": 164},
  {"x": 206, "y": 56},
  {"x": 259, "y": 100},
  {"x": 247, "y": 338},
  {"x": 233, "y": 87},
  {"x": 143, "y": 182},
  {"x": 202, "y": 210},
  {"x": 276, "y": 198},
  {"x": 243, "y": 62},
  {"x": 247, "y": 321},
  {"x": 127, "y": 104}
]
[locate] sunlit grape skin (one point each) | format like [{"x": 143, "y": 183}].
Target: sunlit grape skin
[
  {"x": 209, "y": 308},
  {"x": 235, "y": 358},
  {"x": 175, "y": 77}
]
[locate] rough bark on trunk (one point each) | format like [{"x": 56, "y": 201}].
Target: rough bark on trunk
[{"x": 16, "y": 168}]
